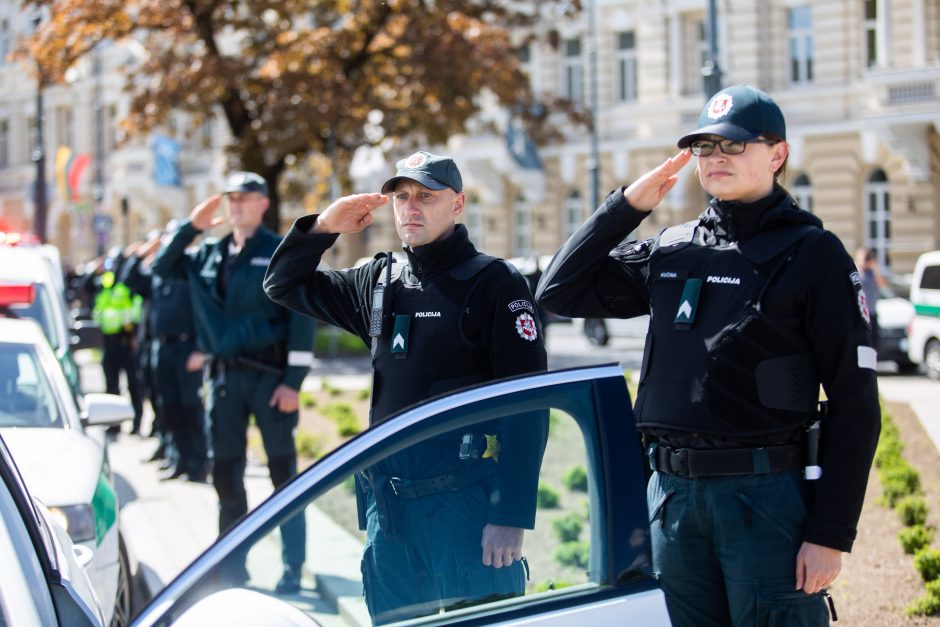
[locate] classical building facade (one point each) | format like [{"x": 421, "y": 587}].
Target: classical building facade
[{"x": 859, "y": 82}]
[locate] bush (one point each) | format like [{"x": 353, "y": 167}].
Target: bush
[
  {"x": 309, "y": 445},
  {"x": 888, "y": 452},
  {"x": 929, "y": 602},
  {"x": 547, "y": 497},
  {"x": 307, "y": 399},
  {"x": 348, "y": 426},
  {"x": 927, "y": 563},
  {"x": 913, "y": 539},
  {"x": 344, "y": 417},
  {"x": 576, "y": 479},
  {"x": 898, "y": 481},
  {"x": 548, "y": 584},
  {"x": 574, "y": 554},
  {"x": 364, "y": 394},
  {"x": 567, "y": 528},
  {"x": 912, "y": 510}
]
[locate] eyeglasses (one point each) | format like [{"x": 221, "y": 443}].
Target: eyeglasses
[{"x": 704, "y": 147}]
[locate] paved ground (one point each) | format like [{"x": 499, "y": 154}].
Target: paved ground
[{"x": 167, "y": 524}]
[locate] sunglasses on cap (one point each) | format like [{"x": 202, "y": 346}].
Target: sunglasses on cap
[{"x": 705, "y": 147}]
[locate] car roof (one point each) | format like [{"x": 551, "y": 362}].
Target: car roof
[
  {"x": 24, "y": 264},
  {"x": 20, "y": 331}
]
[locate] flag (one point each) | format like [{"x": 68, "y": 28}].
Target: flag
[
  {"x": 166, "y": 161},
  {"x": 76, "y": 167},
  {"x": 63, "y": 159},
  {"x": 521, "y": 146}
]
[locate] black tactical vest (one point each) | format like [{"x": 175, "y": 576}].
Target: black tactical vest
[
  {"x": 713, "y": 362},
  {"x": 424, "y": 352}
]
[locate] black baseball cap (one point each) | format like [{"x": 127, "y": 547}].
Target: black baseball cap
[
  {"x": 432, "y": 171},
  {"x": 245, "y": 182},
  {"x": 739, "y": 113}
]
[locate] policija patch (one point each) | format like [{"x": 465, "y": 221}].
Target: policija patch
[
  {"x": 863, "y": 310},
  {"x": 525, "y": 327}
]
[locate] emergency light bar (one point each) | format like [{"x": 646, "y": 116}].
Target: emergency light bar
[
  {"x": 13, "y": 238},
  {"x": 17, "y": 294}
]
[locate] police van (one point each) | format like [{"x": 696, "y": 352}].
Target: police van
[{"x": 924, "y": 334}]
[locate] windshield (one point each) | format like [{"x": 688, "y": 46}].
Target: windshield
[
  {"x": 26, "y": 398},
  {"x": 41, "y": 311}
]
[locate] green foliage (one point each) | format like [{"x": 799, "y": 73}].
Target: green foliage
[
  {"x": 574, "y": 554},
  {"x": 929, "y": 603},
  {"x": 576, "y": 479},
  {"x": 349, "y": 484},
  {"x": 364, "y": 394},
  {"x": 548, "y": 497},
  {"x": 913, "y": 539},
  {"x": 330, "y": 341},
  {"x": 307, "y": 399},
  {"x": 309, "y": 445},
  {"x": 927, "y": 563},
  {"x": 344, "y": 417},
  {"x": 568, "y": 527},
  {"x": 548, "y": 584},
  {"x": 888, "y": 452},
  {"x": 897, "y": 481},
  {"x": 912, "y": 510}
]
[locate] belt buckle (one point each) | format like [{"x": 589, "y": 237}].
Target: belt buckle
[
  {"x": 394, "y": 482},
  {"x": 679, "y": 461}
]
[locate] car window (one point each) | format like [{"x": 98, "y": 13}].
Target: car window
[
  {"x": 42, "y": 312},
  {"x": 930, "y": 280},
  {"x": 26, "y": 398},
  {"x": 584, "y": 540}
]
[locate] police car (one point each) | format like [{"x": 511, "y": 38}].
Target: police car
[
  {"x": 59, "y": 445},
  {"x": 43, "y": 580},
  {"x": 601, "y": 573}
]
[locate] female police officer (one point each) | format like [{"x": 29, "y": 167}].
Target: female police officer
[{"x": 752, "y": 306}]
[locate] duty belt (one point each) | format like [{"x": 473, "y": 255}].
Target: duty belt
[
  {"x": 416, "y": 488},
  {"x": 688, "y": 462}
]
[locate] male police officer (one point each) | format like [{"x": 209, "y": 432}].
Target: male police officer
[
  {"x": 259, "y": 353},
  {"x": 172, "y": 334},
  {"x": 449, "y": 318}
]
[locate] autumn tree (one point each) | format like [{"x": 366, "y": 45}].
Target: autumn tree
[{"x": 295, "y": 77}]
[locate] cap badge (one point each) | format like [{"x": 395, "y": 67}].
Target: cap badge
[
  {"x": 720, "y": 106},
  {"x": 416, "y": 160}
]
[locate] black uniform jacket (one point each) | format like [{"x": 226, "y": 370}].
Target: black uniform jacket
[
  {"x": 815, "y": 296},
  {"x": 242, "y": 321},
  {"x": 490, "y": 322}
]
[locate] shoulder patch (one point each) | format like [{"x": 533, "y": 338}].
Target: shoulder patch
[
  {"x": 863, "y": 310},
  {"x": 516, "y": 305},
  {"x": 525, "y": 327}
]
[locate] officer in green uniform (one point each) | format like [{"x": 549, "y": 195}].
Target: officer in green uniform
[
  {"x": 258, "y": 352},
  {"x": 444, "y": 518}
]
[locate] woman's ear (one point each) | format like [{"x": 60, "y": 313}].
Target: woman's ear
[{"x": 781, "y": 150}]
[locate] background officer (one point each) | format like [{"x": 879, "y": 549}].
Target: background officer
[
  {"x": 176, "y": 389},
  {"x": 752, "y": 305},
  {"x": 117, "y": 312},
  {"x": 438, "y": 516},
  {"x": 258, "y": 352}
]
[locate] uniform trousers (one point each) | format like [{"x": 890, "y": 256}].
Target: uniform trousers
[
  {"x": 245, "y": 392},
  {"x": 438, "y": 560},
  {"x": 724, "y": 549}
]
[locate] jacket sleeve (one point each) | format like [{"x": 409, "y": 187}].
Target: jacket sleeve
[
  {"x": 171, "y": 259},
  {"x": 516, "y": 346},
  {"x": 299, "y": 348},
  {"x": 594, "y": 275},
  {"x": 135, "y": 278},
  {"x": 840, "y": 340},
  {"x": 342, "y": 298}
]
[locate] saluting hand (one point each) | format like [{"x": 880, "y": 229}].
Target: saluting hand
[
  {"x": 349, "y": 214},
  {"x": 202, "y": 216},
  {"x": 501, "y": 545},
  {"x": 649, "y": 190}
]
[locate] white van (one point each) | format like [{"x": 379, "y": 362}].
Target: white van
[{"x": 924, "y": 337}]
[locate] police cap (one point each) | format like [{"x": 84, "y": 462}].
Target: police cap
[
  {"x": 431, "y": 171},
  {"x": 245, "y": 182},
  {"x": 739, "y": 113}
]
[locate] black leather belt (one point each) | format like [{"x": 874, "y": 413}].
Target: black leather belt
[
  {"x": 416, "y": 488},
  {"x": 688, "y": 462},
  {"x": 171, "y": 339}
]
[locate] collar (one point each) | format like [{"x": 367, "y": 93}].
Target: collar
[
  {"x": 442, "y": 255},
  {"x": 734, "y": 221}
]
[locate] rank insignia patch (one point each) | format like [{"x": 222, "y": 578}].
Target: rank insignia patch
[{"x": 525, "y": 327}]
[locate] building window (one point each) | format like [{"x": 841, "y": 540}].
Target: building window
[
  {"x": 474, "y": 218},
  {"x": 878, "y": 216},
  {"x": 573, "y": 69},
  {"x": 111, "y": 128},
  {"x": 800, "y": 26},
  {"x": 4, "y": 143},
  {"x": 65, "y": 127},
  {"x": 802, "y": 191},
  {"x": 626, "y": 66},
  {"x": 574, "y": 213},
  {"x": 522, "y": 227},
  {"x": 5, "y": 38},
  {"x": 870, "y": 33}
]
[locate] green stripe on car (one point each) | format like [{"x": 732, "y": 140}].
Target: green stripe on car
[
  {"x": 104, "y": 505},
  {"x": 927, "y": 310}
]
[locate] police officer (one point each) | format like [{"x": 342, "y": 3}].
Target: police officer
[
  {"x": 753, "y": 305},
  {"x": 446, "y": 318},
  {"x": 117, "y": 312},
  {"x": 258, "y": 352},
  {"x": 172, "y": 334}
]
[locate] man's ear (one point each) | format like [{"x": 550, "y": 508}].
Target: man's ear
[{"x": 459, "y": 200}]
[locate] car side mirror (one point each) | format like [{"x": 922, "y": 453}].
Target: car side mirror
[{"x": 106, "y": 410}]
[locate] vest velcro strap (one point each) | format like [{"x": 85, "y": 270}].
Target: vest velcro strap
[{"x": 687, "y": 462}]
